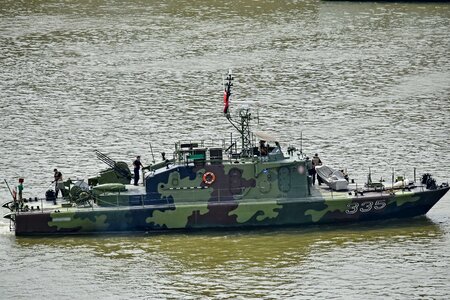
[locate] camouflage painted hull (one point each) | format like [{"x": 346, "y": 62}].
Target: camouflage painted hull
[{"x": 320, "y": 208}]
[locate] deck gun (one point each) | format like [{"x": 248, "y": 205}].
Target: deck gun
[{"x": 119, "y": 172}]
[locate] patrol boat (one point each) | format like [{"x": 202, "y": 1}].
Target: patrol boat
[{"x": 236, "y": 183}]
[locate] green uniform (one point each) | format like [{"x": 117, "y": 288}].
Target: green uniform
[{"x": 20, "y": 189}]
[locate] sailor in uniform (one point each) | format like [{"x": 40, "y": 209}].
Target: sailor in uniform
[{"x": 315, "y": 162}]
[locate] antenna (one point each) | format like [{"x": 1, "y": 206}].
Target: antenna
[
  {"x": 151, "y": 150},
  {"x": 301, "y": 142},
  {"x": 243, "y": 124}
]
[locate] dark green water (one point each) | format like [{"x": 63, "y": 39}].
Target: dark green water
[{"x": 366, "y": 84}]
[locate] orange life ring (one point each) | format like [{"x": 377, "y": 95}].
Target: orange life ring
[{"x": 209, "y": 178}]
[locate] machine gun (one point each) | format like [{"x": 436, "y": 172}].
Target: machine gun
[{"x": 118, "y": 172}]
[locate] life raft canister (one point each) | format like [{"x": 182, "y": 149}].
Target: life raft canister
[{"x": 209, "y": 178}]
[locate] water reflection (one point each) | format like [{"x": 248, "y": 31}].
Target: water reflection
[
  {"x": 252, "y": 263},
  {"x": 274, "y": 247}
]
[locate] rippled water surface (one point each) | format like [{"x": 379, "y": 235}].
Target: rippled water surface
[{"x": 365, "y": 85}]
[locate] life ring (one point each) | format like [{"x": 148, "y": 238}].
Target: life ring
[{"x": 209, "y": 178}]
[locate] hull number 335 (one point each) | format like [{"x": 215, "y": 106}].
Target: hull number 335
[{"x": 365, "y": 206}]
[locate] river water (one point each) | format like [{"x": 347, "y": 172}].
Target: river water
[{"x": 363, "y": 84}]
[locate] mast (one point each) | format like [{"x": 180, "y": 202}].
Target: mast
[{"x": 243, "y": 124}]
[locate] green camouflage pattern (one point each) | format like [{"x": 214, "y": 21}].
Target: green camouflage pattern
[{"x": 245, "y": 193}]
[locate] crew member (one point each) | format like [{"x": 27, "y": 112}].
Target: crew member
[
  {"x": 20, "y": 189},
  {"x": 263, "y": 148},
  {"x": 137, "y": 166},
  {"x": 58, "y": 182},
  {"x": 315, "y": 162}
]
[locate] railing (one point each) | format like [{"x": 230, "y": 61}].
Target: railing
[
  {"x": 186, "y": 195},
  {"x": 26, "y": 207}
]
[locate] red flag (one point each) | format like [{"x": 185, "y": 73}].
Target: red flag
[{"x": 225, "y": 102}]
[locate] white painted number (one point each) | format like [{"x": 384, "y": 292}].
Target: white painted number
[
  {"x": 365, "y": 206},
  {"x": 379, "y": 204},
  {"x": 353, "y": 208}
]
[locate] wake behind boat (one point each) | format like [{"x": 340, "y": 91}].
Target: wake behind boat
[{"x": 227, "y": 183}]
